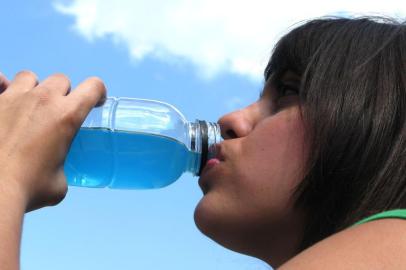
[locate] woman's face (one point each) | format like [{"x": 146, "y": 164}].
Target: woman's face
[{"x": 247, "y": 200}]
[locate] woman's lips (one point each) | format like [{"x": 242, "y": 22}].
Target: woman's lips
[
  {"x": 202, "y": 180},
  {"x": 212, "y": 162}
]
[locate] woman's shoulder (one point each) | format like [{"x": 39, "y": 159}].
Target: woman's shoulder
[{"x": 378, "y": 244}]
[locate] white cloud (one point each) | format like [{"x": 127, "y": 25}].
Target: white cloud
[{"x": 215, "y": 35}]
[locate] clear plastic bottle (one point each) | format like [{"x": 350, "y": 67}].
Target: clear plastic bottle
[{"x": 131, "y": 143}]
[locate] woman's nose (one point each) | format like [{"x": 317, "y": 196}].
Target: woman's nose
[{"x": 234, "y": 125}]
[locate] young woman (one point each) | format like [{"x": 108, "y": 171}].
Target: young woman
[{"x": 323, "y": 148}]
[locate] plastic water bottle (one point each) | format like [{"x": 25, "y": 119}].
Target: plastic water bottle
[{"x": 130, "y": 143}]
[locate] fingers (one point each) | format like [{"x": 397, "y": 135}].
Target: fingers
[
  {"x": 4, "y": 83},
  {"x": 57, "y": 84},
  {"x": 23, "y": 82},
  {"x": 87, "y": 95}
]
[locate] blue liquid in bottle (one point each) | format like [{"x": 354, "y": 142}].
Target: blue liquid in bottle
[{"x": 125, "y": 160}]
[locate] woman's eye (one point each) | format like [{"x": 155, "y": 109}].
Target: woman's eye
[{"x": 287, "y": 90}]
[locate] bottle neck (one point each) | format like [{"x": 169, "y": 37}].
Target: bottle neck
[{"x": 204, "y": 136}]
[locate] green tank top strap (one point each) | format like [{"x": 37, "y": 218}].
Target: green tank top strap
[{"x": 396, "y": 213}]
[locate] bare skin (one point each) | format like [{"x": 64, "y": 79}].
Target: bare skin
[
  {"x": 377, "y": 245},
  {"x": 39, "y": 121}
]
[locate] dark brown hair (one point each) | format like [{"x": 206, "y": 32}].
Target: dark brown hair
[{"x": 353, "y": 99}]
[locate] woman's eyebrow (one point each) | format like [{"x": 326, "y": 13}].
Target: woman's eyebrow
[
  {"x": 287, "y": 77},
  {"x": 291, "y": 77}
]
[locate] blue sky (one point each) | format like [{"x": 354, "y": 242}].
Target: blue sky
[{"x": 136, "y": 57}]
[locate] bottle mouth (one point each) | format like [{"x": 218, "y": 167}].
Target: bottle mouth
[{"x": 210, "y": 136}]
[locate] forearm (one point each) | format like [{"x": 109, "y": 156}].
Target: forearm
[{"x": 12, "y": 209}]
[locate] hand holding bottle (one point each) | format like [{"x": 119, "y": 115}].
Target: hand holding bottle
[{"x": 38, "y": 122}]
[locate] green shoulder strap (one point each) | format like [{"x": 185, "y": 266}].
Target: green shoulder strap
[{"x": 396, "y": 213}]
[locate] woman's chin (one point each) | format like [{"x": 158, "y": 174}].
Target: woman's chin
[
  {"x": 202, "y": 214},
  {"x": 216, "y": 223},
  {"x": 211, "y": 217},
  {"x": 206, "y": 214}
]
